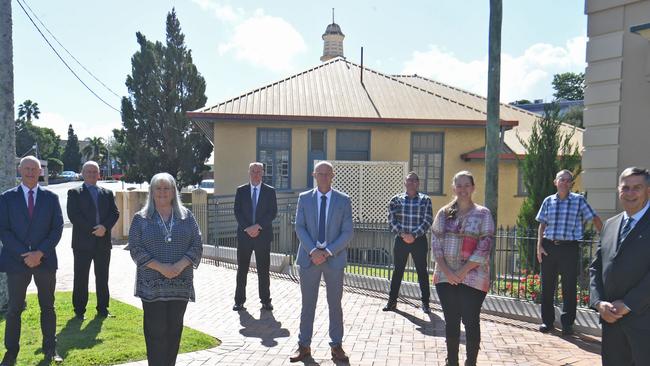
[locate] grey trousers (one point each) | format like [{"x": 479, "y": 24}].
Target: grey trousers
[{"x": 309, "y": 286}]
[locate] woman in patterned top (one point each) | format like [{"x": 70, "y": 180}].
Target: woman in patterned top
[
  {"x": 165, "y": 244},
  {"x": 461, "y": 239}
]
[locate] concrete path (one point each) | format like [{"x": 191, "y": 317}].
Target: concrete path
[{"x": 372, "y": 337}]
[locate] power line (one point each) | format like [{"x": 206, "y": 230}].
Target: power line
[
  {"x": 68, "y": 52},
  {"x": 64, "y": 62}
]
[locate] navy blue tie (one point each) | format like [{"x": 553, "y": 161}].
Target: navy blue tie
[
  {"x": 625, "y": 231},
  {"x": 321, "y": 219},
  {"x": 94, "y": 194},
  {"x": 254, "y": 202}
]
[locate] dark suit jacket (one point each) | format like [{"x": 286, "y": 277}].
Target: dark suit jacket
[
  {"x": 267, "y": 209},
  {"x": 624, "y": 274},
  {"x": 81, "y": 212},
  {"x": 20, "y": 235}
]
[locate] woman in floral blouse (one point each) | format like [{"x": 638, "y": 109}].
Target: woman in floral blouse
[
  {"x": 462, "y": 235},
  {"x": 165, "y": 244}
]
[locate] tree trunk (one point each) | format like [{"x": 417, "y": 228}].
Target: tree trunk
[
  {"x": 492, "y": 141},
  {"x": 7, "y": 123}
]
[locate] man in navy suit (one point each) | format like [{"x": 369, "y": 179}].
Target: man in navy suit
[
  {"x": 620, "y": 275},
  {"x": 324, "y": 228},
  {"x": 93, "y": 213},
  {"x": 255, "y": 209},
  {"x": 31, "y": 224}
]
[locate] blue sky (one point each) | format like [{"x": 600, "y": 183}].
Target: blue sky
[{"x": 241, "y": 45}]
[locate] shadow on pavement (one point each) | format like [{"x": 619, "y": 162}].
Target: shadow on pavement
[{"x": 266, "y": 327}]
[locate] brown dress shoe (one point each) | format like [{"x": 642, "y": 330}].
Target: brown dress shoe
[
  {"x": 301, "y": 353},
  {"x": 338, "y": 354}
]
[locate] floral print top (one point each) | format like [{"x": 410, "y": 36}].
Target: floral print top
[{"x": 466, "y": 238}]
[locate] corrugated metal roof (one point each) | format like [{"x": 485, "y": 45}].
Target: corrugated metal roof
[
  {"x": 507, "y": 112},
  {"x": 334, "y": 89}
]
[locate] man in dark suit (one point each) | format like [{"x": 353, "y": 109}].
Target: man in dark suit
[
  {"x": 255, "y": 209},
  {"x": 31, "y": 224},
  {"x": 324, "y": 228},
  {"x": 620, "y": 275},
  {"x": 92, "y": 212}
]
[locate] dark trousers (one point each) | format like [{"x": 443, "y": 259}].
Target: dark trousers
[
  {"x": 262, "y": 250},
  {"x": 163, "y": 327},
  {"x": 418, "y": 250},
  {"x": 562, "y": 259},
  {"x": 82, "y": 259},
  {"x": 461, "y": 303},
  {"x": 625, "y": 345},
  {"x": 17, "y": 285}
]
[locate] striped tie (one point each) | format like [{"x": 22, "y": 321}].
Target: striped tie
[{"x": 625, "y": 230}]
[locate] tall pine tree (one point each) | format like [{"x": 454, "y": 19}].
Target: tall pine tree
[
  {"x": 71, "y": 154},
  {"x": 157, "y": 135}
]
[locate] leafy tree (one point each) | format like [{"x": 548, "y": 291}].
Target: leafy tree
[
  {"x": 95, "y": 150},
  {"x": 27, "y": 110},
  {"x": 548, "y": 151},
  {"x": 54, "y": 166},
  {"x": 521, "y": 101},
  {"x": 569, "y": 86},
  {"x": 28, "y": 135},
  {"x": 71, "y": 153},
  {"x": 574, "y": 116},
  {"x": 157, "y": 136}
]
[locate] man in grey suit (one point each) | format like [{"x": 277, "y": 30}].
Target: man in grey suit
[
  {"x": 324, "y": 228},
  {"x": 620, "y": 275}
]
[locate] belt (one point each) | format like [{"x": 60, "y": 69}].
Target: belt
[{"x": 561, "y": 242}]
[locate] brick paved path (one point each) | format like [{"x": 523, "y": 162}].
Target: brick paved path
[{"x": 372, "y": 337}]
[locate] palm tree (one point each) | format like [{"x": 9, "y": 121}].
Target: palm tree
[
  {"x": 27, "y": 110},
  {"x": 94, "y": 150}
]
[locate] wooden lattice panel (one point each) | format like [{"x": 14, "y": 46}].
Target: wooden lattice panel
[{"x": 370, "y": 185}]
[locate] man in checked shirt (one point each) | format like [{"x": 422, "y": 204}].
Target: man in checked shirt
[
  {"x": 561, "y": 222},
  {"x": 410, "y": 216}
]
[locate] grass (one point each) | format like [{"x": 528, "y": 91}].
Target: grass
[
  {"x": 95, "y": 341},
  {"x": 381, "y": 272}
]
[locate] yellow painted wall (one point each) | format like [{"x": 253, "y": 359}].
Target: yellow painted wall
[{"x": 235, "y": 148}]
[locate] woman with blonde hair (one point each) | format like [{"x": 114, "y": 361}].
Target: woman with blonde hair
[
  {"x": 461, "y": 240},
  {"x": 165, "y": 244}
]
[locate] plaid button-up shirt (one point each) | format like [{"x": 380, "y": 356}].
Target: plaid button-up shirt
[
  {"x": 410, "y": 215},
  {"x": 565, "y": 218}
]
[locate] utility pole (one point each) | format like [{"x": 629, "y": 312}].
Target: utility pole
[
  {"x": 7, "y": 122},
  {"x": 492, "y": 131}
]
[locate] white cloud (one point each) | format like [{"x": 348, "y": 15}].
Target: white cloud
[
  {"x": 265, "y": 41},
  {"x": 526, "y": 76},
  {"x": 83, "y": 129},
  {"x": 224, "y": 12}
]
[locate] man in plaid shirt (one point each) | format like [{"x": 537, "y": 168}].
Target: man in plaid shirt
[
  {"x": 410, "y": 216},
  {"x": 561, "y": 222}
]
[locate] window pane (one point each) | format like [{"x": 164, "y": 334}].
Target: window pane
[{"x": 426, "y": 159}]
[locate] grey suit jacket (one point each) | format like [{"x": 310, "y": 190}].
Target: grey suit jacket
[
  {"x": 624, "y": 274},
  {"x": 339, "y": 228}
]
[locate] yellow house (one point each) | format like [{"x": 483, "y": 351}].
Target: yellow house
[{"x": 343, "y": 111}]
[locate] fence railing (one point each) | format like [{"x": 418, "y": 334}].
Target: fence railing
[{"x": 370, "y": 253}]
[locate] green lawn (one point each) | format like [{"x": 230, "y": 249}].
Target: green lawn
[
  {"x": 95, "y": 341},
  {"x": 381, "y": 272}
]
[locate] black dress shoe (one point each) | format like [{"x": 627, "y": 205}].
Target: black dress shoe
[
  {"x": 568, "y": 330},
  {"x": 238, "y": 307},
  {"x": 80, "y": 316},
  {"x": 53, "y": 356},
  {"x": 390, "y": 306},
  {"x": 267, "y": 306},
  {"x": 545, "y": 328},
  {"x": 105, "y": 314},
  {"x": 426, "y": 308},
  {"x": 8, "y": 360}
]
